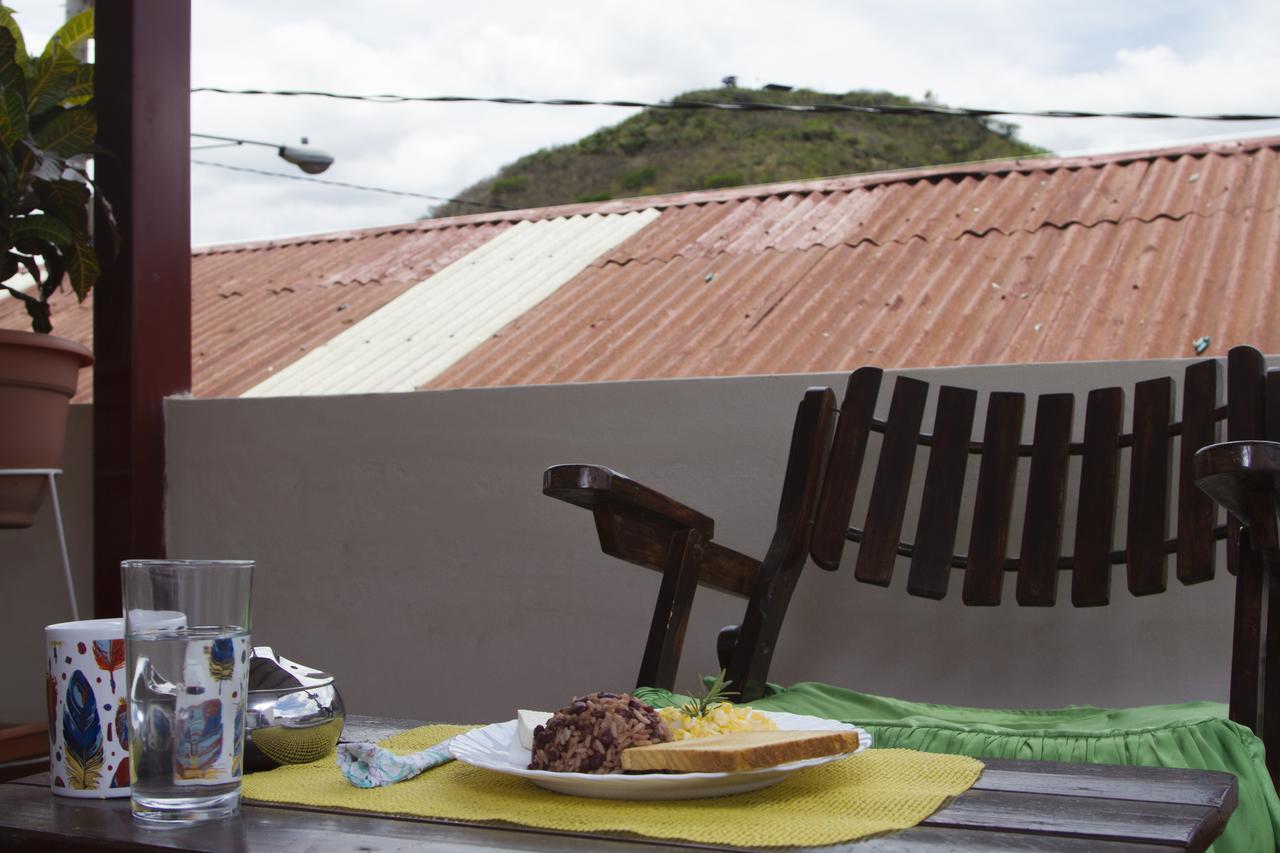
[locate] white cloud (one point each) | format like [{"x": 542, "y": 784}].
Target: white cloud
[{"x": 1177, "y": 56}]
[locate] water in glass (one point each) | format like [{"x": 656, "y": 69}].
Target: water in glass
[{"x": 186, "y": 722}]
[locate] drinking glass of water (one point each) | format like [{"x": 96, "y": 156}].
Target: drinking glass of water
[{"x": 187, "y": 654}]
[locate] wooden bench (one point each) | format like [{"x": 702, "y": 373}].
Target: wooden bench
[{"x": 828, "y": 467}]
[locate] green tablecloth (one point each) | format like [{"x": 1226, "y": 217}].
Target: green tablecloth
[{"x": 1195, "y": 735}]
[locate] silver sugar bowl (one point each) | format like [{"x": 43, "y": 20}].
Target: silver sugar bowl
[{"x": 294, "y": 713}]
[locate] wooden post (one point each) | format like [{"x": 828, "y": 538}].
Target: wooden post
[{"x": 142, "y": 303}]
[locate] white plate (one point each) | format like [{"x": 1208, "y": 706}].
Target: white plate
[{"x": 496, "y": 747}]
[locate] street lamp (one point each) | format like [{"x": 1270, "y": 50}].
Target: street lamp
[{"x": 310, "y": 160}]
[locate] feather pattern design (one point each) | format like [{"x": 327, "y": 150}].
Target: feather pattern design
[
  {"x": 82, "y": 734},
  {"x": 122, "y": 723},
  {"x": 121, "y": 779},
  {"x": 51, "y": 698},
  {"x": 237, "y": 746},
  {"x": 222, "y": 659},
  {"x": 199, "y": 743},
  {"x": 110, "y": 656}
]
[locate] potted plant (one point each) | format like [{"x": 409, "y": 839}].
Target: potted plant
[{"x": 47, "y": 129}]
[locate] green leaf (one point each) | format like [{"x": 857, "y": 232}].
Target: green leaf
[
  {"x": 68, "y": 200},
  {"x": 82, "y": 268},
  {"x": 13, "y": 118},
  {"x": 35, "y": 246},
  {"x": 74, "y": 31},
  {"x": 18, "y": 52},
  {"x": 49, "y": 78},
  {"x": 80, "y": 86},
  {"x": 44, "y": 227},
  {"x": 12, "y": 75},
  {"x": 71, "y": 132}
]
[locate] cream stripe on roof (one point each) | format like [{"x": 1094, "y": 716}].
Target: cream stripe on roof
[{"x": 413, "y": 338}]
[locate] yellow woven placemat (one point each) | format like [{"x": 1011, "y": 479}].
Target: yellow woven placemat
[{"x": 876, "y": 791}]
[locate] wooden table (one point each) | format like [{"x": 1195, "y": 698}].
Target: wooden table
[{"x": 1016, "y": 805}]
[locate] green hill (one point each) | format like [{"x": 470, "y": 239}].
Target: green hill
[{"x": 665, "y": 150}]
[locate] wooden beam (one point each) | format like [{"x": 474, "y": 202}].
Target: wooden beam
[{"x": 142, "y": 303}]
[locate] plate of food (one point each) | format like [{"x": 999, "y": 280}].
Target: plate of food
[{"x": 614, "y": 746}]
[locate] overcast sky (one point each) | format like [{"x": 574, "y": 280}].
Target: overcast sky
[{"x": 1172, "y": 56}]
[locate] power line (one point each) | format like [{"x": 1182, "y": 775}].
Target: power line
[
  {"x": 743, "y": 106},
  {"x": 348, "y": 186}
]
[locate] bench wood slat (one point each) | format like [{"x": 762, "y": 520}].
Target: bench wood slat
[
  {"x": 879, "y": 549},
  {"x": 848, "y": 450},
  {"x": 1196, "y": 510},
  {"x": 1046, "y": 499},
  {"x": 935, "y": 538},
  {"x": 1246, "y": 410},
  {"x": 1149, "y": 486},
  {"x": 780, "y": 569},
  {"x": 1246, "y": 415},
  {"x": 984, "y": 576},
  {"x": 671, "y": 612},
  {"x": 1096, "y": 505}
]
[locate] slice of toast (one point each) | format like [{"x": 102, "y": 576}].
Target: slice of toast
[{"x": 737, "y": 751}]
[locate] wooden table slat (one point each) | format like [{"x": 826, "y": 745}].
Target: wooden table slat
[
  {"x": 925, "y": 838},
  {"x": 29, "y": 824},
  {"x": 1016, "y": 805},
  {"x": 1081, "y": 817},
  {"x": 1157, "y": 784}
]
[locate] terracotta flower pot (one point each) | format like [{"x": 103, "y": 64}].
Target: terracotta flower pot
[{"x": 38, "y": 376}]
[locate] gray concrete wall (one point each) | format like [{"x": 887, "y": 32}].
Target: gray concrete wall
[{"x": 403, "y": 543}]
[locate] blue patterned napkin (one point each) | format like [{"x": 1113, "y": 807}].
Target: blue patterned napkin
[{"x": 367, "y": 765}]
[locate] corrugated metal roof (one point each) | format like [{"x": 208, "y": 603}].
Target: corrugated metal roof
[
  {"x": 1122, "y": 256},
  {"x": 259, "y": 307},
  {"x": 411, "y": 339}
]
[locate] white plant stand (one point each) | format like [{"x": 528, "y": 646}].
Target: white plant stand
[{"x": 51, "y": 474}]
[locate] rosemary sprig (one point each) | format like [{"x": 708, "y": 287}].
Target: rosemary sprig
[{"x": 709, "y": 698}]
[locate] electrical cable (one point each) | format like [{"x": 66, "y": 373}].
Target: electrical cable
[
  {"x": 348, "y": 186},
  {"x": 743, "y": 106}
]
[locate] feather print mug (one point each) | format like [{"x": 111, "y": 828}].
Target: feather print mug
[{"x": 87, "y": 695}]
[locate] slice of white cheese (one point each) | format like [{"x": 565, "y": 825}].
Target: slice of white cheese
[{"x": 526, "y": 722}]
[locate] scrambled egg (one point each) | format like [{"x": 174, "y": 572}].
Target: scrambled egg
[{"x": 721, "y": 719}]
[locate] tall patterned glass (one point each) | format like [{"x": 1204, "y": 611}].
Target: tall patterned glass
[{"x": 187, "y": 649}]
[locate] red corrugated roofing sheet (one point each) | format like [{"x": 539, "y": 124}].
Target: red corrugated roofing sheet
[
  {"x": 258, "y": 307},
  {"x": 1121, "y": 256}
]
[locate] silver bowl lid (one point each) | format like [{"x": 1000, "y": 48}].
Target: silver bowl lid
[{"x": 271, "y": 673}]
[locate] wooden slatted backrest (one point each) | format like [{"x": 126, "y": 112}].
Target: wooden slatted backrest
[{"x": 1044, "y": 548}]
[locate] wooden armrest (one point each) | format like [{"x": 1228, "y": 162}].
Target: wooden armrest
[
  {"x": 636, "y": 523},
  {"x": 589, "y": 486},
  {"x": 1244, "y": 476}
]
